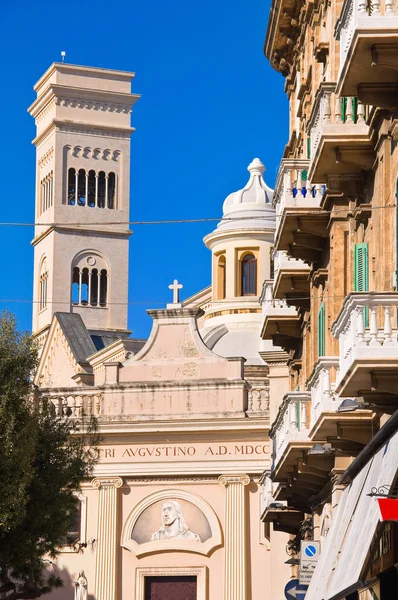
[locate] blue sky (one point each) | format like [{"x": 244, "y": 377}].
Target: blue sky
[{"x": 210, "y": 104}]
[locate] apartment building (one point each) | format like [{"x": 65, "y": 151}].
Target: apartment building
[{"x": 332, "y": 305}]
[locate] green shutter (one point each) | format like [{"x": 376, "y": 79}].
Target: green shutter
[
  {"x": 298, "y": 415},
  {"x": 343, "y": 108},
  {"x": 361, "y": 272},
  {"x": 355, "y": 109},
  {"x": 321, "y": 330},
  {"x": 308, "y": 147},
  {"x": 361, "y": 267}
]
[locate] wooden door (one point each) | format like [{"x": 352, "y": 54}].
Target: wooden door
[{"x": 170, "y": 588}]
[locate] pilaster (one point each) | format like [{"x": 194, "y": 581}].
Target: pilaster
[
  {"x": 235, "y": 573},
  {"x": 105, "y": 572}
]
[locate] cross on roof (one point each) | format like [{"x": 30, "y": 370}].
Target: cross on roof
[{"x": 176, "y": 287}]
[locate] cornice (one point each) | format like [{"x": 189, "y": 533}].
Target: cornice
[
  {"x": 68, "y": 68},
  {"x": 84, "y": 128},
  {"x": 80, "y": 230}
]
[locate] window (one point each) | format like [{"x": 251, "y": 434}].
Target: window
[
  {"x": 89, "y": 283},
  {"x": 88, "y": 188},
  {"x": 321, "y": 330},
  {"x": 249, "y": 275},
  {"x": 361, "y": 273},
  {"x": 46, "y": 192},
  {"x": 221, "y": 278},
  {"x": 73, "y": 534},
  {"x": 43, "y": 284}
]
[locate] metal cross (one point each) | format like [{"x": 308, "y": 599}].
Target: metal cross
[{"x": 175, "y": 286}]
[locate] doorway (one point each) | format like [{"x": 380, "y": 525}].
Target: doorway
[{"x": 182, "y": 587}]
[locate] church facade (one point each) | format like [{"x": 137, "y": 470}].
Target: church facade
[{"x": 173, "y": 508}]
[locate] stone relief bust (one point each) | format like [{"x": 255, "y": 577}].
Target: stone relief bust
[{"x": 173, "y": 524}]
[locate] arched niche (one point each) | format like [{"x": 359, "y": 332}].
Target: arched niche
[{"x": 145, "y": 520}]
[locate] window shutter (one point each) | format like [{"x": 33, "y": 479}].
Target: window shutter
[
  {"x": 355, "y": 109},
  {"x": 308, "y": 147},
  {"x": 321, "y": 330},
  {"x": 343, "y": 108},
  {"x": 361, "y": 272},
  {"x": 361, "y": 267}
]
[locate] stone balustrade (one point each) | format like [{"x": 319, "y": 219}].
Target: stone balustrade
[
  {"x": 273, "y": 306},
  {"x": 363, "y": 15},
  {"x": 293, "y": 189},
  {"x": 291, "y": 424},
  {"x": 331, "y": 112},
  {"x": 268, "y": 494},
  {"x": 76, "y": 405},
  {"x": 366, "y": 330},
  {"x": 282, "y": 261},
  {"x": 258, "y": 400},
  {"x": 321, "y": 384}
]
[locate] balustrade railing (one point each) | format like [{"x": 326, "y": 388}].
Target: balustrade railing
[
  {"x": 365, "y": 328},
  {"x": 268, "y": 492},
  {"x": 258, "y": 400},
  {"x": 282, "y": 260},
  {"x": 362, "y": 14},
  {"x": 274, "y": 306},
  {"x": 322, "y": 387},
  {"x": 75, "y": 405},
  {"x": 292, "y": 422},
  {"x": 330, "y": 109}
]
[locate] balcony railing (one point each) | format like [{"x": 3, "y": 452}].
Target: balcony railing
[
  {"x": 365, "y": 330},
  {"x": 291, "y": 424},
  {"x": 322, "y": 385},
  {"x": 293, "y": 189},
  {"x": 282, "y": 261},
  {"x": 377, "y": 16},
  {"x": 75, "y": 405},
  {"x": 274, "y": 307},
  {"x": 332, "y": 111},
  {"x": 268, "y": 494}
]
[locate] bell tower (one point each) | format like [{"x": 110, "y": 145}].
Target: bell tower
[{"x": 82, "y": 116}]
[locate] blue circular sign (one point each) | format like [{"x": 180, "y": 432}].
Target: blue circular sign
[
  {"x": 295, "y": 591},
  {"x": 310, "y": 551}
]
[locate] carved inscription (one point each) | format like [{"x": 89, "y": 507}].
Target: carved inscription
[{"x": 172, "y": 452}]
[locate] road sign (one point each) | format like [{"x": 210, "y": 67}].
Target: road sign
[
  {"x": 309, "y": 554},
  {"x": 295, "y": 591}
]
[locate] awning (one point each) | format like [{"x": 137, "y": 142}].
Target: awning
[{"x": 354, "y": 524}]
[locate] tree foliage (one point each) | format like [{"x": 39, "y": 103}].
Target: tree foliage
[{"x": 43, "y": 459}]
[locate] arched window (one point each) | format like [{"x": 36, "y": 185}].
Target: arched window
[
  {"x": 91, "y": 194},
  {"x": 89, "y": 281},
  {"x": 249, "y": 275},
  {"x": 81, "y": 188},
  {"x": 221, "y": 278},
  {"x": 85, "y": 188},
  {"x": 111, "y": 190},
  {"x": 72, "y": 187},
  {"x": 101, "y": 189},
  {"x": 43, "y": 285},
  {"x": 103, "y": 287}
]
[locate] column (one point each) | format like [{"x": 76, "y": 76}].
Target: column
[
  {"x": 235, "y": 571},
  {"x": 107, "y": 536}
]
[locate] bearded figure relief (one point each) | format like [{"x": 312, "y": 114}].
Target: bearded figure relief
[{"x": 174, "y": 524}]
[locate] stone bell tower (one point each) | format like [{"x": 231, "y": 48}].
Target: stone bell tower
[{"x": 82, "y": 115}]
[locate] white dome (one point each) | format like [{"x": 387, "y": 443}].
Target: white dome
[{"x": 250, "y": 207}]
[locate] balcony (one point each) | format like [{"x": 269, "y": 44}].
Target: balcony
[
  {"x": 291, "y": 280},
  {"x": 368, "y": 34},
  {"x": 290, "y": 432},
  {"x": 281, "y": 322},
  {"x": 344, "y": 430},
  {"x": 340, "y": 139},
  {"x": 304, "y": 474},
  {"x": 282, "y": 516},
  {"x": 366, "y": 328},
  {"x": 299, "y": 229}
]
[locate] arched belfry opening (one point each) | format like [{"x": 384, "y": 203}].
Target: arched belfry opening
[{"x": 89, "y": 286}]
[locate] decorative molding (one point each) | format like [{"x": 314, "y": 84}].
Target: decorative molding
[
  {"x": 98, "y": 105},
  {"x": 199, "y": 572},
  {"x": 95, "y": 131},
  {"x": 99, "y": 482},
  {"x": 172, "y": 544},
  {"x": 96, "y": 153},
  {"x": 46, "y": 158},
  {"x": 227, "y": 480}
]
